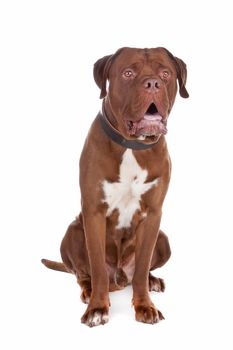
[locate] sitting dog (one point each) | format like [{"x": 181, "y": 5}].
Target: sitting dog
[{"x": 125, "y": 170}]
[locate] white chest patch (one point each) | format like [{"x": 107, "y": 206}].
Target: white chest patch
[{"x": 125, "y": 195}]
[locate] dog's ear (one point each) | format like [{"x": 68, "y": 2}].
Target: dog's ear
[
  {"x": 101, "y": 69},
  {"x": 182, "y": 77},
  {"x": 181, "y": 73}
]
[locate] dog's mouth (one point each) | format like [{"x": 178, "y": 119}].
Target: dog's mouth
[{"x": 150, "y": 125}]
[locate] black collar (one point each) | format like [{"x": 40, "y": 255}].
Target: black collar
[{"x": 115, "y": 136}]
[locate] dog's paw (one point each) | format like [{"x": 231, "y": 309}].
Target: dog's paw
[
  {"x": 156, "y": 284},
  {"x": 148, "y": 314},
  {"x": 120, "y": 278},
  {"x": 85, "y": 295},
  {"x": 95, "y": 317}
]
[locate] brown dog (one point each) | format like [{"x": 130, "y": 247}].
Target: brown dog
[{"x": 124, "y": 175}]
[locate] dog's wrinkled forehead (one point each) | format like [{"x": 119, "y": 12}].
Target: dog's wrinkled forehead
[{"x": 141, "y": 57}]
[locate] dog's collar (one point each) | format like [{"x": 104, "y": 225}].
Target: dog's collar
[{"x": 115, "y": 136}]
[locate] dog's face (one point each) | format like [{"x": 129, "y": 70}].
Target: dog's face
[{"x": 142, "y": 89}]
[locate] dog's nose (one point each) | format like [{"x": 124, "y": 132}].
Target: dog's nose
[{"x": 151, "y": 85}]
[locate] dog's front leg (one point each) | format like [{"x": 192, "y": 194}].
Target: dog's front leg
[
  {"x": 95, "y": 233},
  {"x": 147, "y": 234}
]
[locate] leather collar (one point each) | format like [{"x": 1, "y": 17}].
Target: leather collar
[{"x": 115, "y": 136}]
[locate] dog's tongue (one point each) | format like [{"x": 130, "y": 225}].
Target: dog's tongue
[
  {"x": 153, "y": 117},
  {"x": 149, "y": 125}
]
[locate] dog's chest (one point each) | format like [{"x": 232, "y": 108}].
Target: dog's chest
[{"x": 125, "y": 195}]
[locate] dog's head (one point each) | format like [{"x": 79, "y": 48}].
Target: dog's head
[{"x": 142, "y": 89}]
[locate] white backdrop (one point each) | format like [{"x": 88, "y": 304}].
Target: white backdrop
[{"x": 47, "y": 101}]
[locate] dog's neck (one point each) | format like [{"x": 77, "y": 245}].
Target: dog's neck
[{"x": 108, "y": 113}]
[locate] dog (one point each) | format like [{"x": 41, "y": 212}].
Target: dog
[{"x": 125, "y": 170}]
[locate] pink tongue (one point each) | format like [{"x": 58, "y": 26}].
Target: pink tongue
[
  {"x": 150, "y": 125},
  {"x": 153, "y": 117}
]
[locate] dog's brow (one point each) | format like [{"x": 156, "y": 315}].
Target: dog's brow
[{"x": 134, "y": 65}]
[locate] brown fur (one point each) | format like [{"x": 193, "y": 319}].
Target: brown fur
[{"x": 102, "y": 257}]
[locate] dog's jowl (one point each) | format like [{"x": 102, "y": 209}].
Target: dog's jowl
[{"x": 124, "y": 175}]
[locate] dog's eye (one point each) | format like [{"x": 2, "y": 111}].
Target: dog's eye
[
  {"x": 165, "y": 75},
  {"x": 128, "y": 73}
]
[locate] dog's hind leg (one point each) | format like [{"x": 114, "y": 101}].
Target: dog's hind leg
[
  {"x": 75, "y": 257},
  {"x": 161, "y": 255}
]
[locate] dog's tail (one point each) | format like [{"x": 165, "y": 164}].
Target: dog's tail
[{"x": 54, "y": 265}]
